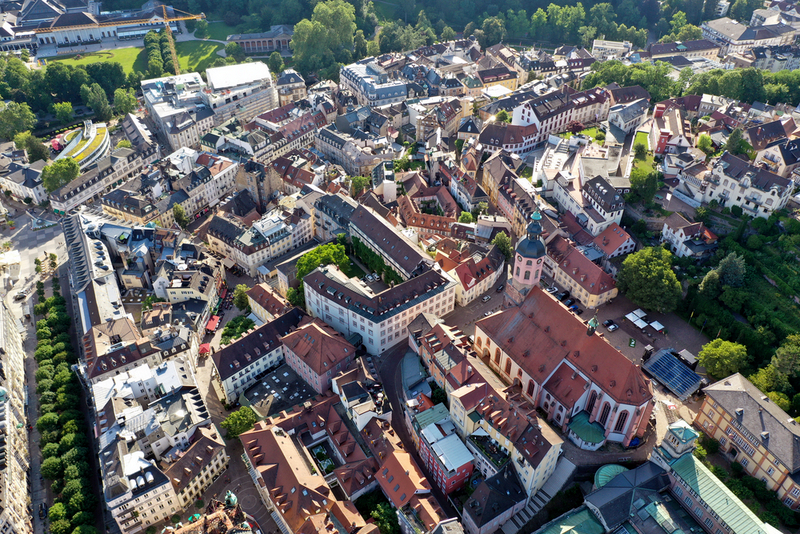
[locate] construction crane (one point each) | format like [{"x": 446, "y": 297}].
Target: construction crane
[
  {"x": 122, "y": 21},
  {"x": 170, "y": 38}
]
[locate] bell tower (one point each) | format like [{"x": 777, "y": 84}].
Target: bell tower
[{"x": 526, "y": 271}]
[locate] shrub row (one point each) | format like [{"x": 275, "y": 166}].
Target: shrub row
[{"x": 62, "y": 427}]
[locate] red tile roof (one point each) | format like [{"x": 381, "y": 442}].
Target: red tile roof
[
  {"x": 401, "y": 478},
  {"x": 319, "y": 346},
  {"x": 571, "y": 261},
  {"x": 269, "y": 299},
  {"x": 611, "y": 238},
  {"x": 566, "y": 385},
  {"x": 541, "y": 334}
]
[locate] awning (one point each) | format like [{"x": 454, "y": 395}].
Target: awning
[
  {"x": 205, "y": 348},
  {"x": 640, "y": 324},
  {"x": 658, "y": 326},
  {"x": 639, "y": 313},
  {"x": 228, "y": 263},
  {"x": 223, "y": 293},
  {"x": 213, "y": 323}
]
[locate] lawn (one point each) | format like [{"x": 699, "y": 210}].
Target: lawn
[
  {"x": 352, "y": 270},
  {"x": 193, "y": 56},
  {"x": 219, "y": 30},
  {"x": 131, "y": 58},
  {"x": 589, "y": 132},
  {"x": 643, "y": 138}
]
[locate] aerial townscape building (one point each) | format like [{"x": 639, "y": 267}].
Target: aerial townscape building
[{"x": 312, "y": 279}]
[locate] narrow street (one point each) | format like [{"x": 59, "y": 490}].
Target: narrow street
[{"x": 391, "y": 378}]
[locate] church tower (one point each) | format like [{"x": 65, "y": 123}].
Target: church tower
[{"x": 526, "y": 270}]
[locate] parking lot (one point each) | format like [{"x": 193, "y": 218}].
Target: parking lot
[{"x": 279, "y": 390}]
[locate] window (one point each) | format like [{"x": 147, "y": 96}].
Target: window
[
  {"x": 508, "y": 366},
  {"x": 497, "y": 356},
  {"x": 795, "y": 492},
  {"x": 722, "y": 441},
  {"x": 770, "y": 470},
  {"x": 678, "y": 491},
  {"x": 788, "y": 501},
  {"x": 592, "y": 400},
  {"x": 708, "y": 522},
  {"x": 744, "y": 462},
  {"x": 687, "y": 500},
  {"x": 604, "y": 414},
  {"x": 621, "y": 420}
]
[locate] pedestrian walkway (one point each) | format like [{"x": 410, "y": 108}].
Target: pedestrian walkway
[{"x": 564, "y": 469}]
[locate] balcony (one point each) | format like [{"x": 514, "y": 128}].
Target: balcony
[{"x": 493, "y": 452}]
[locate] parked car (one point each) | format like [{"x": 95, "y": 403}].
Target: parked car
[
  {"x": 563, "y": 295},
  {"x": 608, "y": 323},
  {"x": 552, "y": 290},
  {"x": 613, "y": 327},
  {"x": 486, "y": 298},
  {"x": 500, "y": 287},
  {"x": 19, "y": 296},
  {"x": 578, "y": 311},
  {"x": 569, "y": 302},
  {"x": 487, "y": 314},
  {"x": 573, "y": 307}
]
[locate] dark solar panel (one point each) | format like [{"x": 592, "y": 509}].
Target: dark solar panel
[{"x": 668, "y": 370}]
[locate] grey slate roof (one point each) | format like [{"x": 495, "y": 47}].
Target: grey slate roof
[
  {"x": 494, "y": 496},
  {"x": 766, "y": 423},
  {"x": 615, "y": 501}
]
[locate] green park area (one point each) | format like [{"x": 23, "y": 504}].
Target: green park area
[
  {"x": 193, "y": 56},
  {"x": 219, "y": 31}
]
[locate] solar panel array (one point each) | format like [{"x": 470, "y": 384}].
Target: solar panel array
[{"x": 671, "y": 372}]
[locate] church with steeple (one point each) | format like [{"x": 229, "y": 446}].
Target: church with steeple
[{"x": 526, "y": 270}]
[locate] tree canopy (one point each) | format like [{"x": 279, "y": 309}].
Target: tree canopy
[
  {"x": 332, "y": 253},
  {"x": 722, "y": 358},
  {"x": 326, "y": 38},
  {"x": 240, "y": 299},
  {"x": 180, "y": 216},
  {"x": 15, "y": 118},
  {"x": 646, "y": 277},
  {"x": 503, "y": 244},
  {"x": 35, "y": 147},
  {"x": 59, "y": 173},
  {"x": 239, "y": 422}
]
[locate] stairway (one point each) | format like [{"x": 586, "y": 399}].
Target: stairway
[{"x": 554, "y": 484}]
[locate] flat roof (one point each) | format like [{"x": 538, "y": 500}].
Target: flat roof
[{"x": 235, "y": 75}]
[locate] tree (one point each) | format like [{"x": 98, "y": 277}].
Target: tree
[
  {"x": 180, "y": 216},
  {"x": 239, "y": 422},
  {"x": 201, "y": 29},
  {"x": 57, "y": 511},
  {"x": 59, "y": 173},
  {"x": 357, "y": 185},
  {"x": 503, "y": 244},
  {"x": 385, "y": 519},
  {"x": 502, "y": 116},
  {"x": 575, "y": 127},
  {"x": 494, "y": 30},
  {"x": 95, "y": 97},
  {"x": 466, "y": 217},
  {"x": 787, "y": 357},
  {"x": 710, "y": 286},
  {"x": 125, "y": 101},
  {"x": 235, "y": 51},
  {"x": 124, "y": 143},
  {"x": 640, "y": 151},
  {"x": 706, "y": 144},
  {"x": 275, "y": 62},
  {"x": 62, "y": 526},
  {"x": 736, "y": 144},
  {"x": 15, "y": 118},
  {"x": 448, "y": 34},
  {"x": 722, "y": 358},
  {"x": 33, "y": 145},
  {"x": 240, "y": 299},
  {"x": 732, "y": 270},
  {"x": 332, "y": 253},
  {"x": 318, "y": 42},
  {"x": 52, "y": 467},
  {"x": 359, "y": 45},
  {"x": 646, "y": 277},
  {"x": 644, "y": 185},
  {"x": 63, "y": 112}
]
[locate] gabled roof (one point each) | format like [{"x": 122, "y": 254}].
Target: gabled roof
[
  {"x": 541, "y": 334},
  {"x": 268, "y": 299},
  {"x": 611, "y": 238},
  {"x": 768, "y": 425},
  {"x": 319, "y": 346},
  {"x": 401, "y": 478}
]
